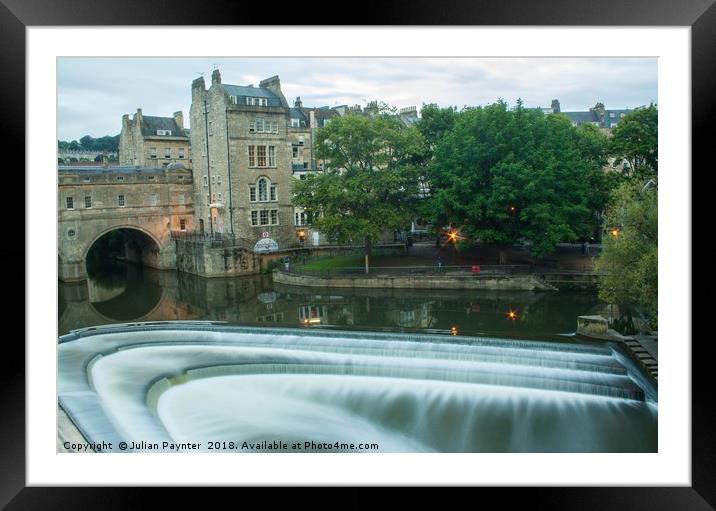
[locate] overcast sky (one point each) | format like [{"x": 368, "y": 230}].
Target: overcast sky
[{"x": 93, "y": 93}]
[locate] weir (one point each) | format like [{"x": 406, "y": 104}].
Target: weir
[{"x": 196, "y": 382}]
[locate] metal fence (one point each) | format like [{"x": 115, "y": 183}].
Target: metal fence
[
  {"x": 214, "y": 240},
  {"x": 476, "y": 270}
]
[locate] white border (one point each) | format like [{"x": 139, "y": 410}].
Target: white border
[{"x": 671, "y": 466}]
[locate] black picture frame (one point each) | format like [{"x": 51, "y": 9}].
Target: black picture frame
[{"x": 16, "y": 15}]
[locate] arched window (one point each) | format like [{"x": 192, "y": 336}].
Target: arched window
[{"x": 263, "y": 189}]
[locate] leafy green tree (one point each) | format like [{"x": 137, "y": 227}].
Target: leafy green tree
[
  {"x": 369, "y": 184},
  {"x": 504, "y": 176},
  {"x": 434, "y": 123},
  {"x": 629, "y": 259},
  {"x": 636, "y": 140}
]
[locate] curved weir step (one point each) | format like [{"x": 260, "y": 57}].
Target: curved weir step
[{"x": 167, "y": 382}]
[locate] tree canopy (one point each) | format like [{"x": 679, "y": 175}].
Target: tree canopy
[
  {"x": 87, "y": 143},
  {"x": 636, "y": 140},
  {"x": 370, "y": 181},
  {"x": 629, "y": 258},
  {"x": 504, "y": 175}
]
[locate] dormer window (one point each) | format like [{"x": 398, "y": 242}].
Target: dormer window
[
  {"x": 167, "y": 133},
  {"x": 612, "y": 115},
  {"x": 256, "y": 101},
  {"x": 295, "y": 123},
  {"x": 234, "y": 100}
]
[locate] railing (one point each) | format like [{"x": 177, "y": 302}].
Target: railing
[
  {"x": 215, "y": 240},
  {"x": 485, "y": 270}
]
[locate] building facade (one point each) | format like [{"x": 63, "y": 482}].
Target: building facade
[
  {"x": 154, "y": 142},
  {"x": 246, "y": 146}
]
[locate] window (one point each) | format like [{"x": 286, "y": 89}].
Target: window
[
  {"x": 213, "y": 198},
  {"x": 252, "y": 193},
  {"x": 260, "y": 125},
  {"x": 262, "y": 189},
  {"x": 152, "y": 152},
  {"x": 88, "y": 201},
  {"x": 611, "y": 114},
  {"x": 272, "y": 193},
  {"x": 263, "y": 215},
  {"x": 302, "y": 176},
  {"x": 274, "y": 127},
  {"x": 300, "y": 140},
  {"x": 181, "y": 153},
  {"x": 164, "y": 132},
  {"x": 120, "y": 200},
  {"x": 252, "y": 156},
  {"x": 86, "y": 180},
  {"x": 295, "y": 152},
  {"x": 182, "y": 224},
  {"x": 70, "y": 202},
  {"x": 218, "y": 179},
  {"x": 167, "y": 152},
  {"x": 254, "y": 218},
  {"x": 295, "y": 123},
  {"x": 249, "y": 101},
  {"x": 252, "y": 127},
  {"x": 120, "y": 178},
  {"x": 71, "y": 233},
  {"x": 219, "y": 196},
  {"x": 271, "y": 156},
  {"x": 206, "y": 181},
  {"x": 234, "y": 99},
  {"x": 152, "y": 178},
  {"x": 274, "y": 217},
  {"x": 213, "y": 180},
  {"x": 261, "y": 156}
]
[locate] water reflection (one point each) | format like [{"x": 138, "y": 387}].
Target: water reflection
[{"x": 143, "y": 294}]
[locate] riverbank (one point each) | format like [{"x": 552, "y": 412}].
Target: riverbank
[{"x": 528, "y": 282}]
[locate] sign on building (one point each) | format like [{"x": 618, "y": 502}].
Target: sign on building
[{"x": 266, "y": 245}]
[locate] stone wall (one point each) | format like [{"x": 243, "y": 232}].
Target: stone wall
[
  {"x": 206, "y": 261},
  {"x": 513, "y": 283}
]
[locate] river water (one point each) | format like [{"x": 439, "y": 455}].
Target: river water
[
  {"x": 141, "y": 294},
  {"x": 481, "y": 380}
]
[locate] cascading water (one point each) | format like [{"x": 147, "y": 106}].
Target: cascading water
[{"x": 258, "y": 389}]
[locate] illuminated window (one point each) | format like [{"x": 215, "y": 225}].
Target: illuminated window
[{"x": 182, "y": 224}]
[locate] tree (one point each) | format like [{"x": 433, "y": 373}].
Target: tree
[
  {"x": 636, "y": 140},
  {"x": 629, "y": 260},
  {"x": 370, "y": 182},
  {"x": 504, "y": 176}
]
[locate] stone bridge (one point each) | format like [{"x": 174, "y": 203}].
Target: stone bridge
[{"x": 144, "y": 204}]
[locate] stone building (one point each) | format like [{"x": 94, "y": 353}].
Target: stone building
[
  {"x": 147, "y": 204},
  {"x": 598, "y": 115},
  {"x": 154, "y": 142},
  {"x": 247, "y": 142}
]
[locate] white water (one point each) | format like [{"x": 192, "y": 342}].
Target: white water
[{"x": 488, "y": 395}]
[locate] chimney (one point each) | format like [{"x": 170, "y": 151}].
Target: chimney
[
  {"x": 215, "y": 77},
  {"x": 298, "y": 103},
  {"x": 555, "y": 106},
  {"x": 138, "y": 116},
  {"x": 274, "y": 85},
  {"x": 599, "y": 109},
  {"x": 312, "y": 118},
  {"x": 179, "y": 119}
]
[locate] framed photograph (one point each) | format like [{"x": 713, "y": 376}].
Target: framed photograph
[{"x": 421, "y": 252}]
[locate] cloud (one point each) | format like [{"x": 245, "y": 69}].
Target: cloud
[{"x": 93, "y": 93}]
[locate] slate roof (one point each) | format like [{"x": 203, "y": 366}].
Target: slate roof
[
  {"x": 151, "y": 124},
  {"x": 591, "y": 117},
  {"x": 253, "y": 92},
  {"x": 297, "y": 113}
]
